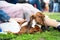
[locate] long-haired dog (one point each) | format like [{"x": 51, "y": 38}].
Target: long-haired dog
[{"x": 36, "y": 24}]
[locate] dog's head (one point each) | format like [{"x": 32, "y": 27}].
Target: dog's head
[{"x": 38, "y": 19}]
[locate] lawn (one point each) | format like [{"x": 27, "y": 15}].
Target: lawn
[{"x": 47, "y": 35}]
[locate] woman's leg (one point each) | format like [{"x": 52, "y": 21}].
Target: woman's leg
[{"x": 51, "y": 22}]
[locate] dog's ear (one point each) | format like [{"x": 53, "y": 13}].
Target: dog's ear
[
  {"x": 40, "y": 14},
  {"x": 40, "y": 18},
  {"x": 32, "y": 17}
]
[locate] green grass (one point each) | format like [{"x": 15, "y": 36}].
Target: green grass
[{"x": 47, "y": 35}]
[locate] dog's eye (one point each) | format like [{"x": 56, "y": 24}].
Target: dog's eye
[
  {"x": 39, "y": 16},
  {"x": 38, "y": 23}
]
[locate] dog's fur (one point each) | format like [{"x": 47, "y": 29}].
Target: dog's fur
[
  {"x": 29, "y": 29},
  {"x": 39, "y": 19}
]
